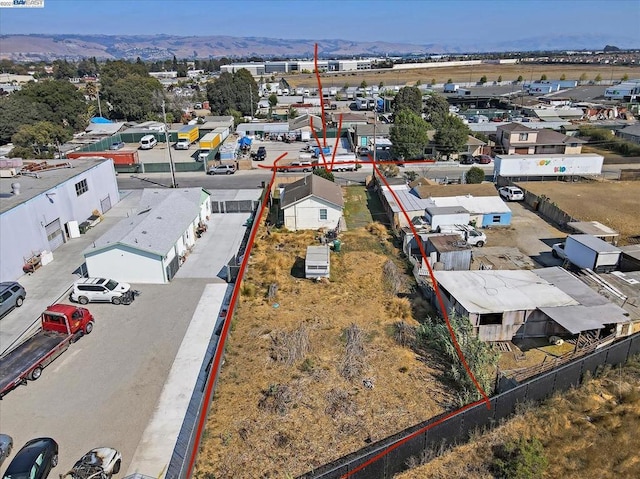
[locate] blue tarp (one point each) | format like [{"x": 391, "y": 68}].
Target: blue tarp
[
  {"x": 100, "y": 119},
  {"x": 245, "y": 141}
]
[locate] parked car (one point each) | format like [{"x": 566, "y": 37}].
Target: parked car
[
  {"x": 557, "y": 250},
  {"x": 364, "y": 151},
  {"x": 466, "y": 159},
  {"x": 98, "y": 463},
  {"x": 261, "y": 154},
  {"x": 203, "y": 155},
  {"x": 483, "y": 159},
  {"x": 12, "y": 295},
  {"x": 116, "y": 145},
  {"x": 300, "y": 166},
  {"x": 222, "y": 170},
  {"x": 511, "y": 193},
  {"x": 6, "y": 445},
  {"x": 34, "y": 461},
  {"x": 182, "y": 144},
  {"x": 93, "y": 290}
]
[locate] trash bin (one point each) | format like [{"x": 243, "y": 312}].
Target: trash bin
[{"x": 337, "y": 244}]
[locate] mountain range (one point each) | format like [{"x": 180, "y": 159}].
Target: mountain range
[{"x": 35, "y": 47}]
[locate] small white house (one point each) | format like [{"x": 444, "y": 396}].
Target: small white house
[
  {"x": 150, "y": 245},
  {"x": 311, "y": 203},
  {"x": 317, "y": 262}
]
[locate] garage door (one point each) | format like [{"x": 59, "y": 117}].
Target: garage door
[{"x": 54, "y": 234}]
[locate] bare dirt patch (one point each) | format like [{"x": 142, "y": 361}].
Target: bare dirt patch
[
  {"x": 613, "y": 203},
  {"x": 315, "y": 371}
]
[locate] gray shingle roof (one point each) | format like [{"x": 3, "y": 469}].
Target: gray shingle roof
[
  {"x": 312, "y": 185},
  {"x": 162, "y": 217}
]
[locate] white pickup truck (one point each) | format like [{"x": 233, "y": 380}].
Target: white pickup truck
[{"x": 466, "y": 232}]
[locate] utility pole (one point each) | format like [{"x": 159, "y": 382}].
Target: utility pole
[
  {"x": 251, "y": 96},
  {"x": 99, "y": 107},
  {"x": 166, "y": 137}
]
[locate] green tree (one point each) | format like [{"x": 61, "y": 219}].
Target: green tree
[
  {"x": 273, "y": 100},
  {"x": 238, "y": 91},
  {"x": 408, "y": 135},
  {"x": 408, "y": 98},
  {"x": 543, "y": 77},
  {"x": 292, "y": 113},
  {"x": 436, "y": 109},
  {"x": 563, "y": 77},
  {"x": 418, "y": 82},
  {"x": 16, "y": 111},
  {"x": 519, "y": 79},
  {"x": 433, "y": 81},
  {"x": 363, "y": 84},
  {"x": 381, "y": 85},
  {"x": 449, "y": 80},
  {"x": 389, "y": 170},
  {"x": 625, "y": 77},
  {"x": 583, "y": 77},
  {"x": 42, "y": 137},
  {"x": 324, "y": 173},
  {"x": 451, "y": 135},
  {"x": 500, "y": 79},
  {"x": 598, "y": 78},
  {"x": 474, "y": 175},
  {"x": 63, "y": 70},
  {"x": 135, "y": 98},
  {"x": 481, "y": 358},
  {"x": 87, "y": 67},
  {"x": 520, "y": 459},
  {"x": 64, "y": 103},
  {"x": 483, "y": 79}
]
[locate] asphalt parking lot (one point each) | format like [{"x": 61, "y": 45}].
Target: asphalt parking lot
[{"x": 104, "y": 390}]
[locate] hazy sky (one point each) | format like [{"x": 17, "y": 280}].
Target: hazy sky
[{"x": 405, "y": 21}]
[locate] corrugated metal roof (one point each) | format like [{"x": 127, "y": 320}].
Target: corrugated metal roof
[
  {"x": 409, "y": 201},
  {"x": 593, "y": 228},
  {"x": 163, "y": 216},
  {"x": 576, "y": 319},
  {"x": 498, "y": 291},
  {"x": 475, "y": 204},
  {"x": 561, "y": 278},
  {"x": 317, "y": 255}
]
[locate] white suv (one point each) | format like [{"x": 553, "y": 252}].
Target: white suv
[
  {"x": 182, "y": 144},
  {"x": 511, "y": 193},
  {"x": 87, "y": 290}
]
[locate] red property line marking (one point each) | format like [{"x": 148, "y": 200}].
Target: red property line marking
[
  {"x": 485, "y": 399},
  {"x": 227, "y": 322}
]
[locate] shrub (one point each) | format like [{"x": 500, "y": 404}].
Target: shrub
[
  {"x": 474, "y": 175},
  {"x": 521, "y": 459},
  {"x": 353, "y": 362}
]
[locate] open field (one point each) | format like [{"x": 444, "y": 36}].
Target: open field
[
  {"x": 587, "y": 432},
  {"x": 291, "y": 395},
  {"x": 465, "y": 74},
  {"x": 613, "y": 203}
]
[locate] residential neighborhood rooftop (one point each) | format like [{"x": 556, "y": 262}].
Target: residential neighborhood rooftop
[{"x": 312, "y": 185}]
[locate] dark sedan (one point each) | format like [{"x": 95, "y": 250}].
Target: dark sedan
[
  {"x": 483, "y": 159},
  {"x": 116, "y": 145},
  {"x": 34, "y": 461}
]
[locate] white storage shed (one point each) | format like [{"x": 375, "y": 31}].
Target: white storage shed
[{"x": 317, "y": 262}]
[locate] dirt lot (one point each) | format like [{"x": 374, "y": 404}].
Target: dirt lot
[
  {"x": 292, "y": 395},
  {"x": 613, "y": 203},
  {"x": 464, "y": 74},
  {"x": 588, "y": 432}
]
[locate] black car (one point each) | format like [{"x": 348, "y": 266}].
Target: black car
[
  {"x": 34, "y": 461},
  {"x": 261, "y": 154}
]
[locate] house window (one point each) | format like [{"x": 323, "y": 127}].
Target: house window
[
  {"x": 323, "y": 213},
  {"x": 523, "y": 136},
  {"x": 496, "y": 218},
  {"x": 493, "y": 318},
  {"x": 81, "y": 187}
]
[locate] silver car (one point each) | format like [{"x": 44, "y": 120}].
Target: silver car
[{"x": 12, "y": 295}]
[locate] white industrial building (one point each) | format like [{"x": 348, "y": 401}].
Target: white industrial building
[
  {"x": 311, "y": 203},
  {"x": 150, "y": 245},
  {"x": 40, "y": 211}
]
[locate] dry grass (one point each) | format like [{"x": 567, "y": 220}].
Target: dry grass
[
  {"x": 464, "y": 74},
  {"x": 612, "y": 203},
  {"x": 282, "y": 405},
  {"x": 587, "y": 432}
]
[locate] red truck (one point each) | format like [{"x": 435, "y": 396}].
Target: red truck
[{"x": 60, "y": 325}]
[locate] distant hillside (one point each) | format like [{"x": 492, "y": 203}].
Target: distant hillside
[{"x": 34, "y": 47}]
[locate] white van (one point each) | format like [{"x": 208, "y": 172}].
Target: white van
[{"x": 147, "y": 142}]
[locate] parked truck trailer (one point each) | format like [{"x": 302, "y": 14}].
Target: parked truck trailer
[{"x": 587, "y": 251}]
